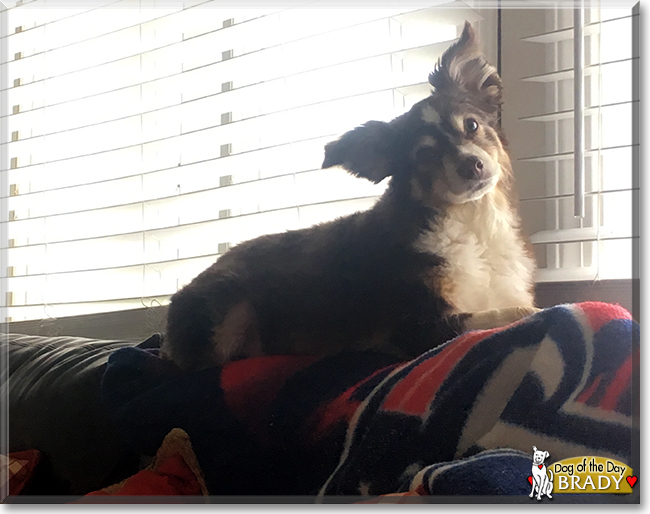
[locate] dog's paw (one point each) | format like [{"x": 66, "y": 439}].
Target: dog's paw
[{"x": 496, "y": 318}]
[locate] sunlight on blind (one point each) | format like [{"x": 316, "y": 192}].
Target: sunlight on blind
[{"x": 144, "y": 142}]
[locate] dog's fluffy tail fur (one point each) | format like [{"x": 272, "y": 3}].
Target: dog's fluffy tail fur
[{"x": 190, "y": 339}]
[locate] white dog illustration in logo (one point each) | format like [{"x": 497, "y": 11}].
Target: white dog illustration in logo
[{"x": 542, "y": 483}]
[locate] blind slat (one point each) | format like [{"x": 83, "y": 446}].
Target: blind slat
[
  {"x": 553, "y": 157},
  {"x": 567, "y": 73},
  {"x": 565, "y": 34},
  {"x": 568, "y": 113},
  {"x": 574, "y": 235}
]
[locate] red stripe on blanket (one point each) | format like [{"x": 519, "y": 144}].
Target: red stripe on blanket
[
  {"x": 414, "y": 393},
  {"x": 257, "y": 381},
  {"x": 599, "y": 313},
  {"x": 622, "y": 381},
  {"x": 341, "y": 409},
  {"x": 586, "y": 393}
]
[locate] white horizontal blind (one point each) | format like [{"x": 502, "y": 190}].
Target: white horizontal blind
[
  {"x": 144, "y": 141},
  {"x": 601, "y": 245}
]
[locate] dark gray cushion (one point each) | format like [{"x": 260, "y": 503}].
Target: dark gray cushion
[{"x": 53, "y": 388}]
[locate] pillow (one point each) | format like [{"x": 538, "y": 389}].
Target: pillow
[
  {"x": 17, "y": 470},
  {"x": 173, "y": 471}
]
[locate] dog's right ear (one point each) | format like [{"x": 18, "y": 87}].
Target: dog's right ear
[
  {"x": 364, "y": 151},
  {"x": 534, "y": 448}
]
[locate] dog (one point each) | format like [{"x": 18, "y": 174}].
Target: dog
[
  {"x": 438, "y": 254},
  {"x": 542, "y": 483}
]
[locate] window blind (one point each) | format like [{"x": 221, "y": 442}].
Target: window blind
[
  {"x": 144, "y": 140},
  {"x": 604, "y": 243}
]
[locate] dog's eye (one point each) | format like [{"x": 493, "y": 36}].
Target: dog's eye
[{"x": 471, "y": 125}]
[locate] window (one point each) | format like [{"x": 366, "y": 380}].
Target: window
[
  {"x": 143, "y": 141},
  {"x": 539, "y": 120}
]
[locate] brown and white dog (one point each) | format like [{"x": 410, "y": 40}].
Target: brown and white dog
[{"x": 438, "y": 254}]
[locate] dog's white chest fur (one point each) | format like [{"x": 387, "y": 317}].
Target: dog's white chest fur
[{"x": 486, "y": 264}]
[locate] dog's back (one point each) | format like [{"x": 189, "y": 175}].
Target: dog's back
[{"x": 340, "y": 285}]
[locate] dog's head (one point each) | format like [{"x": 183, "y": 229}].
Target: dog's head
[
  {"x": 448, "y": 148},
  {"x": 539, "y": 456}
]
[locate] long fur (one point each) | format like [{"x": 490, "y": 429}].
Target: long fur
[{"x": 439, "y": 253}]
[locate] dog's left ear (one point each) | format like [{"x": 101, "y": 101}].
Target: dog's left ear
[
  {"x": 463, "y": 66},
  {"x": 365, "y": 151},
  {"x": 547, "y": 455}
]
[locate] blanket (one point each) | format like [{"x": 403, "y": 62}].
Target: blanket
[{"x": 461, "y": 419}]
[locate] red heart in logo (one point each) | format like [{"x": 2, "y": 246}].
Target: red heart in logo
[
  {"x": 631, "y": 480},
  {"x": 540, "y": 466},
  {"x": 530, "y": 480}
]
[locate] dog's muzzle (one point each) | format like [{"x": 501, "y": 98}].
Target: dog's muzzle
[{"x": 471, "y": 168}]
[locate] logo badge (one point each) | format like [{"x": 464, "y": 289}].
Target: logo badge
[{"x": 577, "y": 475}]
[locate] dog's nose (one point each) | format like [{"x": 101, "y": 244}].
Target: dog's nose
[{"x": 471, "y": 168}]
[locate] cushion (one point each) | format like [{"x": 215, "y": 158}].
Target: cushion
[
  {"x": 53, "y": 386},
  {"x": 174, "y": 471},
  {"x": 17, "y": 471}
]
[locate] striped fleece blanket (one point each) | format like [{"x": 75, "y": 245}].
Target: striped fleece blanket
[{"x": 461, "y": 419}]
